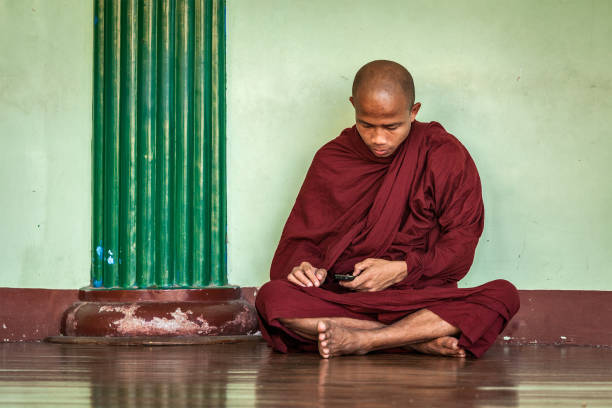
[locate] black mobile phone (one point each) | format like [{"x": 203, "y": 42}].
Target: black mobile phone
[{"x": 344, "y": 276}]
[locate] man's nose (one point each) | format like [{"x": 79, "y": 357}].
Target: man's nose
[{"x": 378, "y": 136}]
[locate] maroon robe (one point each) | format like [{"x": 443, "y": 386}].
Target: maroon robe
[{"x": 423, "y": 205}]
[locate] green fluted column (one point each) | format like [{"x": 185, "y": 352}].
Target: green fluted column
[{"x": 158, "y": 149}]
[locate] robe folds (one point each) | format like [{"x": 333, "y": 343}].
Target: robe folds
[{"x": 423, "y": 205}]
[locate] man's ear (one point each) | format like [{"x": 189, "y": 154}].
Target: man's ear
[
  {"x": 414, "y": 110},
  {"x": 352, "y": 101}
]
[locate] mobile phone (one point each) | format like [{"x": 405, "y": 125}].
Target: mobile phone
[{"x": 344, "y": 276}]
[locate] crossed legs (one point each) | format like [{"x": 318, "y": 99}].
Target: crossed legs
[{"x": 421, "y": 331}]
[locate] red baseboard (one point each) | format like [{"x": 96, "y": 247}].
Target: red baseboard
[
  {"x": 33, "y": 314},
  {"x": 578, "y": 317},
  {"x": 546, "y": 316}
]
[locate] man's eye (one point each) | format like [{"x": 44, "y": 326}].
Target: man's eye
[{"x": 391, "y": 127}]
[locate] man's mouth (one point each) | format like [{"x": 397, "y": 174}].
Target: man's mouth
[{"x": 379, "y": 152}]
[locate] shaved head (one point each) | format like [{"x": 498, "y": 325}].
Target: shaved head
[
  {"x": 383, "y": 98},
  {"x": 382, "y": 76}
]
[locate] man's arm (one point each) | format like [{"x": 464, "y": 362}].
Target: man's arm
[{"x": 460, "y": 214}]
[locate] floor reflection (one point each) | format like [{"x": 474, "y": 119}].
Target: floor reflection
[
  {"x": 177, "y": 377},
  {"x": 398, "y": 380},
  {"x": 251, "y": 375}
]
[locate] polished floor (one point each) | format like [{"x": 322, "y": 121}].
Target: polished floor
[{"x": 251, "y": 375}]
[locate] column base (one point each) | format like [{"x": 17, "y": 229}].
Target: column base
[
  {"x": 160, "y": 313},
  {"x": 153, "y": 341}
]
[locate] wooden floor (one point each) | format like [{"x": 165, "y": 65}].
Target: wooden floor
[{"x": 251, "y": 375}]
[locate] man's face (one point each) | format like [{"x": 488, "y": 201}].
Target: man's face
[{"x": 383, "y": 120}]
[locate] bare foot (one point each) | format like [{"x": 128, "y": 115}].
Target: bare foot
[
  {"x": 335, "y": 340},
  {"x": 307, "y": 327},
  {"x": 442, "y": 346}
]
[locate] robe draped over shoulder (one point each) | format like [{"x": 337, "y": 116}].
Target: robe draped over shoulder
[{"x": 422, "y": 205}]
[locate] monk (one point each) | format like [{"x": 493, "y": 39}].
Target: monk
[{"x": 396, "y": 203}]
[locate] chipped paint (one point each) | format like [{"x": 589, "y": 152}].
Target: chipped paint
[
  {"x": 110, "y": 260},
  {"x": 242, "y": 320},
  {"x": 179, "y": 324},
  {"x": 71, "y": 321},
  {"x": 563, "y": 338},
  {"x": 507, "y": 338},
  {"x": 100, "y": 252},
  {"x": 4, "y": 326},
  {"x": 147, "y": 318}
]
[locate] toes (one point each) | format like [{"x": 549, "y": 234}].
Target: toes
[
  {"x": 459, "y": 352},
  {"x": 452, "y": 346},
  {"x": 324, "y": 337},
  {"x": 321, "y": 326},
  {"x": 324, "y": 352},
  {"x": 448, "y": 343},
  {"x": 451, "y": 343}
]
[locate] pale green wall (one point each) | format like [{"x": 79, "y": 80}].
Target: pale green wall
[
  {"x": 525, "y": 85},
  {"x": 45, "y": 134}
]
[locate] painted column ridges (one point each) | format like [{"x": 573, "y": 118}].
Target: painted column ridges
[
  {"x": 184, "y": 140},
  {"x": 218, "y": 258},
  {"x": 165, "y": 136},
  {"x": 97, "y": 148},
  {"x": 201, "y": 150},
  {"x": 158, "y": 144},
  {"x": 128, "y": 144},
  {"x": 146, "y": 143},
  {"x": 112, "y": 59}
]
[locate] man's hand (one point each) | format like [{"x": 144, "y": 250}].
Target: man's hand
[
  {"x": 307, "y": 275},
  {"x": 374, "y": 275}
]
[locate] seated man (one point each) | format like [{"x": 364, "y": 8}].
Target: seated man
[{"x": 398, "y": 204}]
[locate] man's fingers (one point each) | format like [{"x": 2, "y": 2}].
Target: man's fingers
[
  {"x": 301, "y": 276},
  {"x": 291, "y": 278},
  {"x": 307, "y": 275},
  {"x": 305, "y": 266},
  {"x": 357, "y": 283},
  {"x": 310, "y": 274},
  {"x": 361, "y": 266},
  {"x": 346, "y": 284}
]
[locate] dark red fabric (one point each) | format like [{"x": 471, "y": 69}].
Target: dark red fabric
[
  {"x": 423, "y": 205},
  {"x": 481, "y": 313}
]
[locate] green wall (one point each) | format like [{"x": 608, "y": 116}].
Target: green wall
[
  {"x": 524, "y": 85},
  {"x": 45, "y": 134}
]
